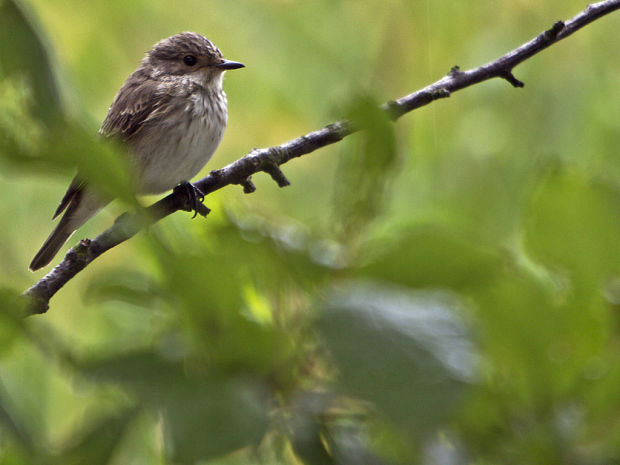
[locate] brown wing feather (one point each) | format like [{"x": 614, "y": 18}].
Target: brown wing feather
[{"x": 135, "y": 102}]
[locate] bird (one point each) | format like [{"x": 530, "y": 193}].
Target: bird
[{"x": 171, "y": 114}]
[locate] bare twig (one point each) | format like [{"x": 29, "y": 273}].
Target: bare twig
[{"x": 269, "y": 159}]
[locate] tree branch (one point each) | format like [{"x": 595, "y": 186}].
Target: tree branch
[{"x": 269, "y": 159}]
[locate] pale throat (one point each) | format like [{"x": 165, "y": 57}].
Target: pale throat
[{"x": 205, "y": 78}]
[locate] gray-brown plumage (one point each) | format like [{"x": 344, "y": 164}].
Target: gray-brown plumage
[{"x": 171, "y": 112}]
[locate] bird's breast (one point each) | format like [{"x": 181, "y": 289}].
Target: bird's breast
[{"x": 177, "y": 145}]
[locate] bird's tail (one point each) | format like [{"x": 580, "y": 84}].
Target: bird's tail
[
  {"x": 80, "y": 209},
  {"x": 52, "y": 244}
]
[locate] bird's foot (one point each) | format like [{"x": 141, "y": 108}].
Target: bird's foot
[{"x": 194, "y": 196}]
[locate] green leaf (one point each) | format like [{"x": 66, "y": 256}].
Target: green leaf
[
  {"x": 66, "y": 145},
  {"x": 366, "y": 168},
  {"x": 307, "y": 441},
  {"x": 98, "y": 445},
  {"x": 24, "y": 54},
  {"x": 102, "y": 163},
  {"x": 33, "y": 128},
  {"x": 206, "y": 420},
  {"x": 11, "y": 424},
  {"x": 574, "y": 223},
  {"x": 423, "y": 256},
  {"x": 407, "y": 352},
  {"x": 123, "y": 285},
  {"x": 350, "y": 445},
  {"x": 12, "y": 311},
  {"x": 214, "y": 276},
  {"x": 144, "y": 372},
  {"x": 205, "y": 416}
]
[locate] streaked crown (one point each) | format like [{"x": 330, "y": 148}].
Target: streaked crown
[{"x": 186, "y": 43}]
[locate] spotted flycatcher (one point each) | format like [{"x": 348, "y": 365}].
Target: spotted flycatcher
[{"x": 171, "y": 113}]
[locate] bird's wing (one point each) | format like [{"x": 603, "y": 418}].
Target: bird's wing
[{"x": 137, "y": 101}]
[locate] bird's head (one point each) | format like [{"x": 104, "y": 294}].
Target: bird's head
[{"x": 189, "y": 54}]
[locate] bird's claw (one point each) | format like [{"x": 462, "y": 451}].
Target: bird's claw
[{"x": 194, "y": 196}]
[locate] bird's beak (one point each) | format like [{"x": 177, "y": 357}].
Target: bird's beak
[{"x": 227, "y": 64}]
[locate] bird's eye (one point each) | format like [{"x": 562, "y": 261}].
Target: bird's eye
[{"x": 189, "y": 60}]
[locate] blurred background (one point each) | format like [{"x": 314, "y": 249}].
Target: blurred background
[{"x": 441, "y": 290}]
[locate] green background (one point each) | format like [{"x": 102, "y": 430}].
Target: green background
[{"x": 442, "y": 290}]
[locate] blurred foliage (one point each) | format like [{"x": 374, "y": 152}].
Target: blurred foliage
[{"x": 441, "y": 290}]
